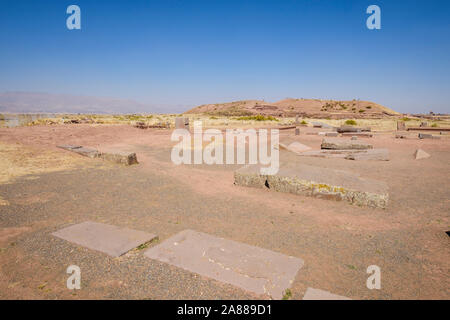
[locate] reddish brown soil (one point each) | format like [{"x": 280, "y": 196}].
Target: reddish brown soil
[{"x": 338, "y": 241}]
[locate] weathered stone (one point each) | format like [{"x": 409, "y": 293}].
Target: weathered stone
[
  {"x": 420, "y": 154},
  {"x": 330, "y": 153},
  {"x": 400, "y": 136},
  {"x": 112, "y": 240},
  {"x": 297, "y": 131},
  {"x": 119, "y": 157},
  {"x": 354, "y": 138},
  {"x": 87, "y": 152},
  {"x": 372, "y": 154},
  {"x": 339, "y": 144},
  {"x": 328, "y": 134},
  {"x": 68, "y": 147},
  {"x": 357, "y": 134},
  {"x": 344, "y": 129},
  {"x": 317, "y": 294},
  {"x": 427, "y": 136},
  {"x": 251, "y": 268},
  {"x": 294, "y": 146},
  {"x": 317, "y": 182}
]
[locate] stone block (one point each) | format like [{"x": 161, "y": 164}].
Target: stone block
[
  {"x": 251, "y": 268},
  {"x": 340, "y": 144},
  {"x": 317, "y": 182},
  {"x": 112, "y": 240}
]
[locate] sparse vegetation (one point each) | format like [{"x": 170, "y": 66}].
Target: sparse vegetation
[
  {"x": 350, "y": 122},
  {"x": 405, "y": 119},
  {"x": 304, "y": 122},
  {"x": 434, "y": 125},
  {"x": 258, "y": 117},
  {"x": 287, "y": 294}
]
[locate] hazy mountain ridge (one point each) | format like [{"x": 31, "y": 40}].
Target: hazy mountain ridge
[{"x": 37, "y": 102}]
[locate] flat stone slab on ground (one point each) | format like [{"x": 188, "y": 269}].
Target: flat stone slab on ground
[
  {"x": 113, "y": 156},
  {"x": 317, "y": 182},
  {"x": 329, "y": 134},
  {"x": 340, "y": 144},
  {"x": 112, "y": 240},
  {"x": 254, "y": 269},
  {"x": 357, "y": 134},
  {"x": 294, "y": 146},
  {"x": 420, "y": 154},
  {"x": 371, "y": 154},
  {"x": 317, "y": 294}
]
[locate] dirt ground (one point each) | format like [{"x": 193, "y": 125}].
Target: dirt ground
[{"x": 43, "y": 189}]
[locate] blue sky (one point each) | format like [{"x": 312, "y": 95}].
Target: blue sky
[{"x": 185, "y": 53}]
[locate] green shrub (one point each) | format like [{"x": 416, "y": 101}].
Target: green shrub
[
  {"x": 434, "y": 125},
  {"x": 350, "y": 122}
]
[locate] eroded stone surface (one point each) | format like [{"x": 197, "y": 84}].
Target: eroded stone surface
[
  {"x": 317, "y": 294},
  {"x": 317, "y": 182},
  {"x": 119, "y": 157},
  {"x": 112, "y": 240},
  {"x": 340, "y": 144},
  {"x": 251, "y": 268}
]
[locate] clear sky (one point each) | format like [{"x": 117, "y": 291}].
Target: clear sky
[{"x": 189, "y": 52}]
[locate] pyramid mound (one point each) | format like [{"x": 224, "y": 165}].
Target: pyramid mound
[{"x": 313, "y": 108}]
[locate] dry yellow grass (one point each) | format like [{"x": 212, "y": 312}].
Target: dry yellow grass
[{"x": 17, "y": 161}]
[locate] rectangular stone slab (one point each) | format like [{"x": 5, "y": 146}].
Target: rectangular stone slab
[
  {"x": 371, "y": 154},
  {"x": 317, "y": 182},
  {"x": 112, "y": 240},
  {"x": 317, "y": 294},
  {"x": 119, "y": 157},
  {"x": 254, "y": 269},
  {"x": 340, "y": 144}
]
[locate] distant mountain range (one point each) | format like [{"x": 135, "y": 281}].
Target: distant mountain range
[{"x": 36, "y": 102}]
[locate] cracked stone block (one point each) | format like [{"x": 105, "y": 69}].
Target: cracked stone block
[
  {"x": 317, "y": 182},
  {"x": 251, "y": 268},
  {"x": 339, "y": 144},
  {"x": 317, "y": 294},
  {"x": 112, "y": 240}
]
